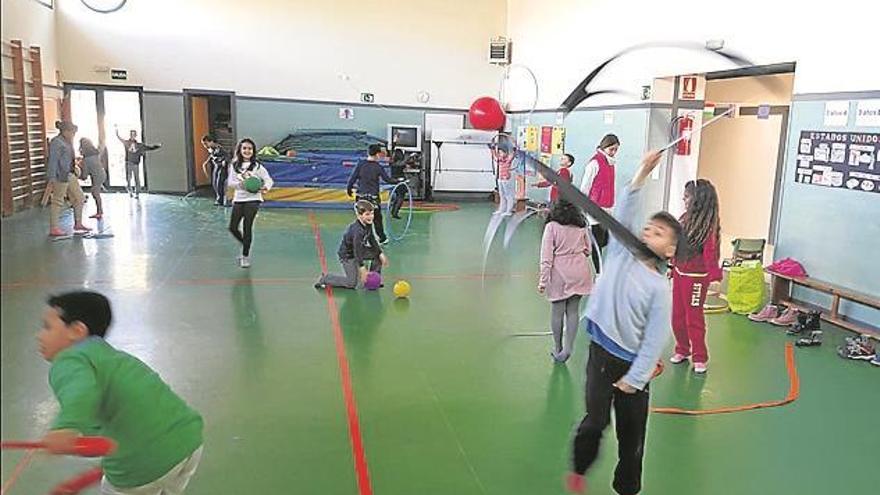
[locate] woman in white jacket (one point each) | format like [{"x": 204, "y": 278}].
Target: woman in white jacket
[
  {"x": 245, "y": 203},
  {"x": 598, "y": 184}
]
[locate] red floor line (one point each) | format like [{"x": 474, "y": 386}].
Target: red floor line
[
  {"x": 354, "y": 428},
  {"x": 19, "y": 468}
]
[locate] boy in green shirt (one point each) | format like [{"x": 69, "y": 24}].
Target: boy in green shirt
[{"x": 111, "y": 393}]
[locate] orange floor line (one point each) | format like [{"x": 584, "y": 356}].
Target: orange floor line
[
  {"x": 794, "y": 389},
  {"x": 19, "y": 468}
]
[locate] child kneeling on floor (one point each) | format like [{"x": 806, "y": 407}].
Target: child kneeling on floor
[
  {"x": 111, "y": 393},
  {"x": 359, "y": 245}
]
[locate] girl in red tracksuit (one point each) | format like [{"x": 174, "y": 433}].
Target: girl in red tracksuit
[{"x": 693, "y": 271}]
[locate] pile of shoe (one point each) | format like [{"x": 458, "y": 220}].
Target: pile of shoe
[
  {"x": 861, "y": 349},
  {"x": 798, "y": 322}
]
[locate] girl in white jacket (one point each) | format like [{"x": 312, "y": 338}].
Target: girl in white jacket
[{"x": 246, "y": 204}]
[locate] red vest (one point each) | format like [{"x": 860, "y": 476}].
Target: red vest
[
  {"x": 564, "y": 173},
  {"x": 602, "y": 190}
]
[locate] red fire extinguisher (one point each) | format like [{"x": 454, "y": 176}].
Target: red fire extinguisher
[{"x": 685, "y": 127}]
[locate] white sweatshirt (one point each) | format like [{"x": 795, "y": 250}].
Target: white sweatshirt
[{"x": 236, "y": 182}]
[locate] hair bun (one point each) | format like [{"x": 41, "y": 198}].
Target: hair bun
[{"x": 58, "y": 124}]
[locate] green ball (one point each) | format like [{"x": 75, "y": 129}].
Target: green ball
[{"x": 253, "y": 184}]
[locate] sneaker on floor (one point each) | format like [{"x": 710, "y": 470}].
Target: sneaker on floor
[
  {"x": 575, "y": 483},
  {"x": 81, "y": 229},
  {"x": 57, "y": 233},
  {"x": 860, "y": 338},
  {"x": 860, "y": 350},
  {"x": 97, "y": 216},
  {"x": 787, "y": 318},
  {"x": 814, "y": 339},
  {"x": 245, "y": 262},
  {"x": 678, "y": 358},
  {"x": 769, "y": 312},
  {"x": 700, "y": 368},
  {"x": 319, "y": 284}
]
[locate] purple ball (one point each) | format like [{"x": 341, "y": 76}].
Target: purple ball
[{"x": 373, "y": 281}]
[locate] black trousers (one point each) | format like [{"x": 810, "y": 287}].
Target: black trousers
[
  {"x": 377, "y": 215},
  {"x": 218, "y": 182},
  {"x": 630, "y": 420},
  {"x": 600, "y": 233},
  {"x": 244, "y": 213},
  {"x": 397, "y": 200}
]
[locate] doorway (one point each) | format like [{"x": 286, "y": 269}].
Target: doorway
[
  {"x": 207, "y": 112},
  {"x": 743, "y": 155},
  {"x": 106, "y": 115}
]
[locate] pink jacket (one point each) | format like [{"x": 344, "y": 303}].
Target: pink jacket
[{"x": 565, "y": 262}]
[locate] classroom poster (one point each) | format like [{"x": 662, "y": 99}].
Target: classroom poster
[
  {"x": 558, "y": 146},
  {"x": 546, "y": 139},
  {"x": 532, "y": 138},
  {"x": 868, "y": 113},
  {"x": 844, "y": 160}
]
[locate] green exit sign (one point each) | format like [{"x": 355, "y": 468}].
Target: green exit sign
[{"x": 118, "y": 74}]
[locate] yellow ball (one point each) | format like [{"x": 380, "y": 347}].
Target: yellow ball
[{"x": 401, "y": 288}]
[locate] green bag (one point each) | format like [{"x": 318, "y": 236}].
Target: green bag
[
  {"x": 745, "y": 287},
  {"x": 268, "y": 151}
]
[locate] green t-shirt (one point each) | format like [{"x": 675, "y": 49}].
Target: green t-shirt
[{"x": 111, "y": 393}]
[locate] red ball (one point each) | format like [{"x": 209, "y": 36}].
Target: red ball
[{"x": 486, "y": 114}]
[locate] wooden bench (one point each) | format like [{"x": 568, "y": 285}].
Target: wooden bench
[{"x": 781, "y": 294}]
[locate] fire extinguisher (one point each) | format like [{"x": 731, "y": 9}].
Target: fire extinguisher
[{"x": 685, "y": 127}]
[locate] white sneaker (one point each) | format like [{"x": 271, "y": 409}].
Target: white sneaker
[
  {"x": 245, "y": 261},
  {"x": 700, "y": 368},
  {"x": 678, "y": 358}
]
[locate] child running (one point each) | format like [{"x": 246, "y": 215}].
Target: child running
[
  {"x": 565, "y": 274},
  {"x": 366, "y": 176},
  {"x": 245, "y": 203},
  {"x": 216, "y": 168},
  {"x": 695, "y": 268},
  {"x": 93, "y": 168},
  {"x": 358, "y": 246},
  {"x": 108, "y": 392},
  {"x": 628, "y": 319}
]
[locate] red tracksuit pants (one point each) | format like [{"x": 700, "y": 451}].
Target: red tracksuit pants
[{"x": 688, "y": 322}]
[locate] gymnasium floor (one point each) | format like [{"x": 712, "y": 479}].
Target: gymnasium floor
[{"x": 448, "y": 400}]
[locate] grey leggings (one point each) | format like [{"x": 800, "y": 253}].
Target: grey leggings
[
  {"x": 567, "y": 309},
  {"x": 133, "y": 171}
]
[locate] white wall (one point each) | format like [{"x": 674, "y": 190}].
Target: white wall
[
  {"x": 563, "y": 40},
  {"x": 34, "y": 25},
  {"x": 292, "y": 48}
]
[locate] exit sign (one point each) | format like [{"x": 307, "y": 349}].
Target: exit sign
[{"x": 118, "y": 74}]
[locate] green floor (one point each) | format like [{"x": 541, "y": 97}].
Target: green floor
[{"x": 449, "y": 400}]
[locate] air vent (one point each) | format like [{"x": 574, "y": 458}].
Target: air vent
[{"x": 499, "y": 51}]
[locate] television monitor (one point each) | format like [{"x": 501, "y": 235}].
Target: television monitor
[{"x": 405, "y": 137}]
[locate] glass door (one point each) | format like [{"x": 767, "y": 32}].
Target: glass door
[
  {"x": 122, "y": 118},
  {"x": 107, "y": 116}
]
